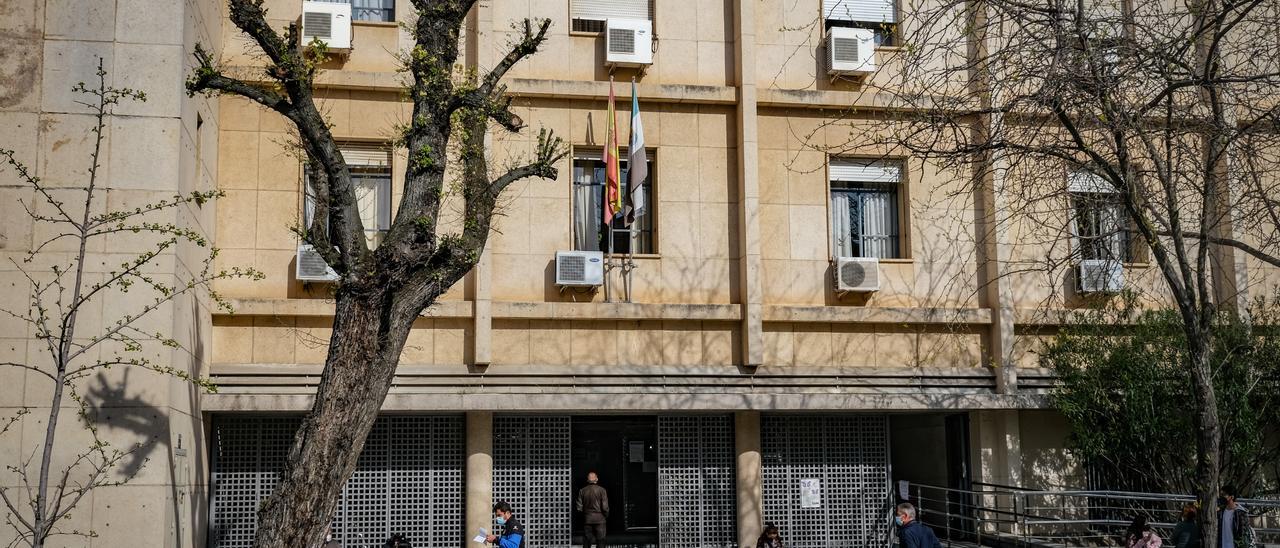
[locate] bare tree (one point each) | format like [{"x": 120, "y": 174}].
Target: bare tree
[
  {"x": 75, "y": 349},
  {"x": 381, "y": 291},
  {"x": 1114, "y": 129}
]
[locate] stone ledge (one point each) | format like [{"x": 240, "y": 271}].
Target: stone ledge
[{"x": 877, "y": 315}]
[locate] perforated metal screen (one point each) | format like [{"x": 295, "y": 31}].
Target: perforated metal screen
[
  {"x": 697, "y": 494},
  {"x": 849, "y": 456},
  {"x": 408, "y": 480},
  {"x": 531, "y": 467}
]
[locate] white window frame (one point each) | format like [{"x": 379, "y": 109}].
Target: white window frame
[
  {"x": 644, "y": 239},
  {"x": 1083, "y": 185},
  {"x": 598, "y": 11},
  {"x": 370, "y": 164},
  {"x": 879, "y": 16}
]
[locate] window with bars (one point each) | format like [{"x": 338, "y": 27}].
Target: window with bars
[
  {"x": 864, "y": 208},
  {"x": 370, "y": 167},
  {"x": 589, "y": 231},
  {"x": 590, "y": 15},
  {"x": 370, "y": 10},
  {"x": 880, "y": 16},
  {"x": 1101, "y": 227}
]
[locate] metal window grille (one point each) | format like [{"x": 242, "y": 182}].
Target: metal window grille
[
  {"x": 531, "y": 467},
  {"x": 408, "y": 480},
  {"x": 697, "y": 490},
  {"x": 848, "y": 455}
]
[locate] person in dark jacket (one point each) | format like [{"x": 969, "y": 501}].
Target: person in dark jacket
[
  {"x": 512, "y": 530},
  {"x": 770, "y": 538},
  {"x": 911, "y": 533},
  {"x": 593, "y": 502},
  {"x": 1186, "y": 534},
  {"x": 398, "y": 541},
  {"x": 1234, "y": 530}
]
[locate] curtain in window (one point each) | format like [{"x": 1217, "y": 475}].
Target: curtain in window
[
  {"x": 586, "y": 209},
  {"x": 1101, "y": 227},
  {"x": 841, "y": 231},
  {"x": 373, "y": 10},
  {"x": 879, "y": 225}
]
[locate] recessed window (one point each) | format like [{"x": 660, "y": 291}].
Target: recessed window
[
  {"x": 865, "y": 219},
  {"x": 589, "y": 231},
  {"x": 1101, "y": 227},
  {"x": 880, "y": 16},
  {"x": 370, "y": 10},
  {"x": 370, "y": 167},
  {"x": 590, "y": 15}
]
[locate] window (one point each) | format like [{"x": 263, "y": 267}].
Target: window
[
  {"x": 880, "y": 16},
  {"x": 1101, "y": 226},
  {"x": 864, "y": 208},
  {"x": 370, "y": 167},
  {"x": 370, "y": 10},
  {"x": 590, "y": 15},
  {"x": 589, "y": 230}
]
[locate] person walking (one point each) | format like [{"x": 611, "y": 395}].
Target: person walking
[
  {"x": 770, "y": 538},
  {"x": 911, "y": 533},
  {"x": 1187, "y": 533},
  {"x": 593, "y": 503},
  {"x": 329, "y": 541},
  {"x": 1234, "y": 530},
  {"x": 1140, "y": 535},
  {"x": 512, "y": 530}
]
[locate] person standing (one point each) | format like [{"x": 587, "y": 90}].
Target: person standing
[
  {"x": 1140, "y": 535},
  {"x": 1187, "y": 533},
  {"x": 593, "y": 502},
  {"x": 770, "y": 538},
  {"x": 329, "y": 541},
  {"x": 912, "y": 534},
  {"x": 1234, "y": 530},
  {"x": 512, "y": 530}
]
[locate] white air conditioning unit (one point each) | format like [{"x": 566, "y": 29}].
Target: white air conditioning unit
[
  {"x": 329, "y": 22},
  {"x": 579, "y": 268},
  {"x": 857, "y": 274},
  {"x": 311, "y": 266},
  {"x": 1100, "y": 276},
  {"x": 850, "y": 51},
  {"x": 628, "y": 42}
]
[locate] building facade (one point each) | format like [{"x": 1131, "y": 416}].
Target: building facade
[{"x": 725, "y": 381}]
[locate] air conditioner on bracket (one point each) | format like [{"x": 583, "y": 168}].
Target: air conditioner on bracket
[
  {"x": 311, "y": 267},
  {"x": 329, "y": 22},
  {"x": 579, "y": 268},
  {"x": 850, "y": 51},
  {"x": 628, "y": 42},
  {"x": 857, "y": 274},
  {"x": 1100, "y": 276}
]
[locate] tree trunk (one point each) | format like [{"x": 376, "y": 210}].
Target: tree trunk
[
  {"x": 363, "y": 353},
  {"x": 1208, "y": 436}
]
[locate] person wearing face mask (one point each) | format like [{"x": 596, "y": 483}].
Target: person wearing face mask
[
  {"x": 1234, "y": 530},
  {"x": 329, "y": 541},
  {"x": 911, "y": 533},
  {"x": 512, "y": 530}
]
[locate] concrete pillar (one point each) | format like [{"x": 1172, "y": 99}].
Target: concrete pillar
[
  {"x": 750, "y": 263},
  {"x": 479, "y": 474},
  {"x": 996, "y": 455},
  {"x": 750, "y": 482}
]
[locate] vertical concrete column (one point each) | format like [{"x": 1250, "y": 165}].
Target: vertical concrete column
[
  {"x": 996, "y": 454},
  {"x": 479, "y": 472},
  {"x": 480, "y": 56},
  {"x": 992, "y": 230},
  {"x": 746, "y": 425},
  {"x": 749, "y": 260}
]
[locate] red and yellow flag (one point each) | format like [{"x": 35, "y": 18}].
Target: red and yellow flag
[{"x": 612, "y": 190}]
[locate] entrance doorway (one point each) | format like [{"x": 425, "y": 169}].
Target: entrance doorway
[{"x": 623, "y": 451}]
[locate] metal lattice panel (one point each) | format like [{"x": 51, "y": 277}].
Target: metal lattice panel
[
  {"x": 531, "y": 467},
  {"x": 697, "y": 492},
  {"x": 408, "y": 480},
  {"x": 848, "y": 455}
]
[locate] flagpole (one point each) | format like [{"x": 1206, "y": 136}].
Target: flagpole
[
  {"x": 630, "y": 265},
  {"x": 609, "y": 138}
]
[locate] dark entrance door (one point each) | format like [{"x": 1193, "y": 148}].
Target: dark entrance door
[{"x": 623, "y": 451}]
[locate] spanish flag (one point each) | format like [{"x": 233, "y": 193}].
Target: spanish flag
[{"x": 612, "y": 190}]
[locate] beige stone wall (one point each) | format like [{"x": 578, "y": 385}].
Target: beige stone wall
[{"x": 151, "y": 150}]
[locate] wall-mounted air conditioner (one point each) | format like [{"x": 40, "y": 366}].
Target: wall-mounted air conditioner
[
  {"x": 311, "y": 267},
  {"x": 1100, "y": 276},
  {"x": 329, "y": 22},
  {"x": 850, "y": 51},
  {"x": 628, "y": 42},
  {"x": 857, "y": 274},
  {"x": 579, "y": 268}
]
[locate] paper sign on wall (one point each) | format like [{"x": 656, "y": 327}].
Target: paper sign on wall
[
  {"x": 636, "y": 451},
  {"x": 810, "y": 493},
  {"x": 904, "y": 490}
]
